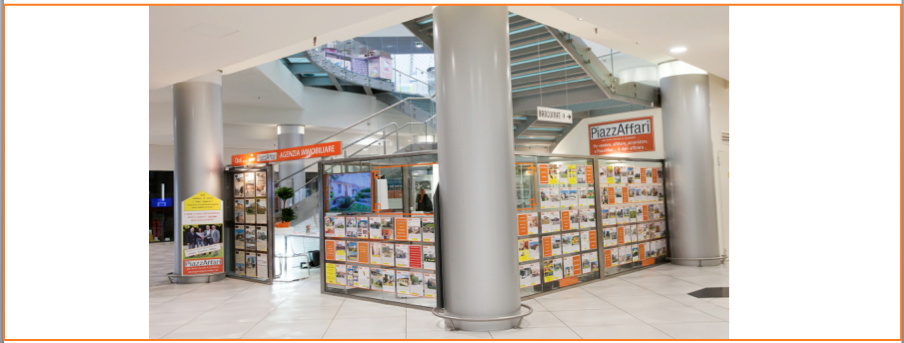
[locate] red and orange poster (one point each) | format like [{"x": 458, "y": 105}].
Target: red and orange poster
[
  {"x": 607, "y": 255},
  {"x": 363, "y": 253},
  {"x": 330, "y": 250},
  {"x": 589, "y": 174},
  {"x": 547, "y": 246},
  {"x": 544, "y": 174},
  {"x": 414, "y": 257},
  {"x": 622, "y": 136}
]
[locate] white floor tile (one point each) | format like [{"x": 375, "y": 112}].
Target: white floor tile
[
  {"x": 706, "y": 280},
  {"x": 695, "y": 330},
  {"x": 312, "y": 301},
  {"x": 673, "y": 287},
  {"x": 236, "y": 316},
  {"x": 621, "y": 331},
  {"x": 202, "y": 294},
  {"x": 367, "y": 325},
  {"x": 306, "y": 329},
  {"x": 369, "y": 310},
  {"x": 354, "y": 336},
  {"x": 158, "y": 331},
  {"x": 619, "y": 290},
  {"x": 686, "y": 299},
  {"x": 536, "y": 333},
  {"x": 671, "y": 315},
  {"x": 720, "y": 301},
  {"x": 421, "y": 322},
  {"x": 641, "y": 301},
  {"x": 569, "y": 293},
  {"x": 449, "y": 335},
  {"x": 290, "y": 314},
  {"x": 541, "y": 320},
  {"x": 172, "y": 318},
  {"x": 244, "y": 304},
  {"x": 642, "y": 274},
  {"x": 186, "y": 306},
  {"x": 713, "y": 310},
  {"x": 573, "y": 304},
  {"x": 210, "y": 330},
  {"x": 535, "y": 305},
  {"x": 596, "y": 317}
]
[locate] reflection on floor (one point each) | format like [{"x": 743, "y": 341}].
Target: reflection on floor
[{"x": 652, "y": 303}]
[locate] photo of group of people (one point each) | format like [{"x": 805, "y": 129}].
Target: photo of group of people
[
  {"x": 402, "y": 282},
  {"x": 416, "y": 229},
  {"x": 202, "y": 241}
]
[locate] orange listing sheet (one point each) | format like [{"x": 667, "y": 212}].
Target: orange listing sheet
[
  {"x": 547, "y": 246},
  {"x": 607, "y": 256},
  {"x": 589, "y": 174},
  {"x": 522, "y": 224},
  {"x": 544, "y": 174},
  {"x": 576, "y": 264},
  {"x": 572, "y": 280},
  {"x": 401, "y": 229},
  {"x": 566, "y": 220},
  {"x": 363, "y": 253},
  {"x": 593, "y": 239},
  {"x": 621, "y": 235},
  {"x": 330, "y": 250}
]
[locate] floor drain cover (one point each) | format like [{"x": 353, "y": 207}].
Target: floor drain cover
[{"x": 711, "y": 292}]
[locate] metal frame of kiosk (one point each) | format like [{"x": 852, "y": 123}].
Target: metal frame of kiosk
[
  {"x": 367, "y": 164},
  {"x": 230, "y": 221}
]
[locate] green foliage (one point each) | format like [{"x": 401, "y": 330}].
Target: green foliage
[
  {"x": 285, "y": 193},
  {"x": 287, "y": 215}
]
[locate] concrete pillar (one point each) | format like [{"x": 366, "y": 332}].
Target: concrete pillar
[
  {"x": 198, "y": 132},
  {"x": 476, "y": 161},
  {"x": 690, "y": 186},
  {"x": 290, "y": 136}
]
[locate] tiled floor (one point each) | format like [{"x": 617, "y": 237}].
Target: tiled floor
[{"x": 652, "y": 303}]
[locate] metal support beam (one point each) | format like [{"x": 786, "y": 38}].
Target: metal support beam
[
  {"x": 416, "y": 30},
  {"x": 368, "y": 90},
  {"x": 523, "y": 126},
  {"x": 304, "y": 68},
  {"x": 632, "y": 93},
  {"x": 335, "y": 82}
]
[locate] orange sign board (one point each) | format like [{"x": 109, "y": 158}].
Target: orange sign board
[
  {"x": 544, "y": 174},
  {"x": 288, "y": 154},
  {"x": 589, "y": 173},
  {"x": 622, "y": 136},
  {"x": 647, "y": 262},
  {"x": 573, "y": 280},
  {"x": 608, "y": 257}
]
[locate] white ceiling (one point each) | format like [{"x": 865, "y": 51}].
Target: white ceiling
[
  {"x": 190, "y": 41},
  {"x": 647, "y": 32},
  {"x": 247, "y": 87}
]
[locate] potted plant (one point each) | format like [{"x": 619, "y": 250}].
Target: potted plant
[{"x": 286, "y": 214}]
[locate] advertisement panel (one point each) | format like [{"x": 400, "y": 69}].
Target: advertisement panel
[
  {"x": 202, "y": 235},
  {"x": 622, "y": 136}
]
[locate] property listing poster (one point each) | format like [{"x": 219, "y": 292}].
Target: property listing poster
[
  {"x": 550, "y": 221},
  {"x": 530, "y": 274},
  {"x": 375, "y": 231},
  {"x": 430, "y": 283},
  {"x": 416, "y": 286},
  {"x": 202, "y": 235},
  {"x": 428, "y": 230}
]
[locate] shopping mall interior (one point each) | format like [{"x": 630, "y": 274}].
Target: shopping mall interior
[{"x": 475, "y": 172}]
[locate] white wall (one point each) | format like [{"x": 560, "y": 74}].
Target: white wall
[{"x": 578, "y": 141}]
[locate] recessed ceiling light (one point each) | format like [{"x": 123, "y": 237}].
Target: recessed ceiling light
[
  {"x": 678, "y": 49},
  {"x": 581, "y": 19}
]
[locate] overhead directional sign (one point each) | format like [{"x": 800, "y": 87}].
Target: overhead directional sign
[{"x": 554, "y": 115}]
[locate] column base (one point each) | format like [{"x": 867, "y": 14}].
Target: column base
[
  {"x": 196, "y": 278},
  {"x": 498, "y": 325},
  {"x": 697, "y": 263}
]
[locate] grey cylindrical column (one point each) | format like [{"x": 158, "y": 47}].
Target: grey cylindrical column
[
  {"x": 290, "y": 136},
  {"x": 690, "y": 180},
  {"x": 477, "y": 164},
  {"x": 198, "y": 132}
]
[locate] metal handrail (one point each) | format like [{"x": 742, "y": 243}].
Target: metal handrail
[
  {"x": 372, "y": 116},
  {"x": 452, "y": 319},
  {"x": 397, "y": 130},
  {"x": 358, "y": 123},
  {"x": 414, "y": 78},
  {"x": 381, "y": 129}
]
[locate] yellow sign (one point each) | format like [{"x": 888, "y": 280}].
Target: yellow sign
[
  {"x": 331, "y": 273},
  {"x": 202, "y": 202}
]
